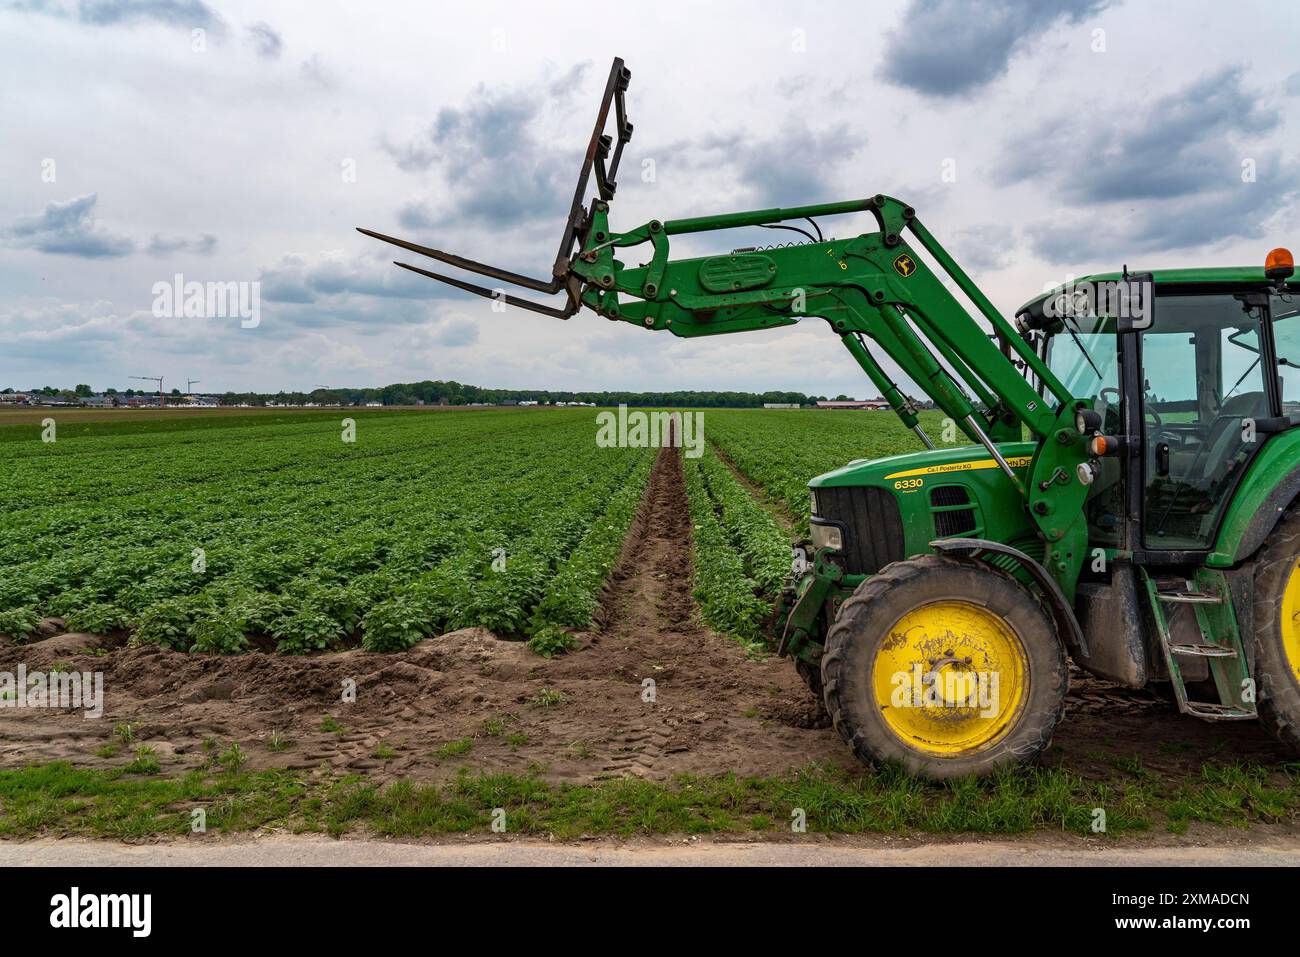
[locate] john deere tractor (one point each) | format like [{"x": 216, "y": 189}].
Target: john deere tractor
[{"x": 1128, "y": 495}]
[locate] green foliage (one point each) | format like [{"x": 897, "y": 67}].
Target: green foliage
[
  {"x": 396, "y": 625},
  {"x": 455, "y": 748},
  {"x": 551, "y": 640},
  {"x": 168, "y": 622},
  {"x": 219, "y": 633},
  {"x": 19, "y": 623},
  {"x": 573, "y": 594},
  {"x": 306, "y": 630},
  {"x": 730, "y": 600},
  {"x": 98, "y": 618}
]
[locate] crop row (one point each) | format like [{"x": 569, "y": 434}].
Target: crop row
[{"x": 742, "y": 556}]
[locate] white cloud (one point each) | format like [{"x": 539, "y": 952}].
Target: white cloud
[{"x": 281, "y": 138}]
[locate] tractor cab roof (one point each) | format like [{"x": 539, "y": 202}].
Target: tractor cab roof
[{"x": 1211, "y": 276}]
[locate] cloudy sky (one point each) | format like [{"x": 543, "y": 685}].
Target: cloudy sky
[{"x": 1037, "y": 140}]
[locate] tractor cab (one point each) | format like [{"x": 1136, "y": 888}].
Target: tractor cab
[{"x": 1187, "y": 394}]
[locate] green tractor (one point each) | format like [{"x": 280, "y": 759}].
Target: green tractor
[{"x": 1129, "y": 498}]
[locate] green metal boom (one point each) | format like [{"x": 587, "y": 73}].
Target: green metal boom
[{"x": 873, "y": 289}]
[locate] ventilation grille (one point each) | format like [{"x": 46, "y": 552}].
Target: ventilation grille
[{"x": 954, "y": 513}]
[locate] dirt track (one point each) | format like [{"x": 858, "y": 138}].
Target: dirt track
[{"x": 714, "y": 709}]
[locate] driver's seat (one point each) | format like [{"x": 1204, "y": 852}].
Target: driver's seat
[{"x": 1214, "y": 458}]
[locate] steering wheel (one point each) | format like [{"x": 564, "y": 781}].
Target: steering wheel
[{"x": 1107, "y": 403}]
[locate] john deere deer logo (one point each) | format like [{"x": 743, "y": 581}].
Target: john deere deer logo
[{"x": 905, "y": 265}]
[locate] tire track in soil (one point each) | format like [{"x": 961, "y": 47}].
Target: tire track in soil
[{"x": 710, "y": 700}]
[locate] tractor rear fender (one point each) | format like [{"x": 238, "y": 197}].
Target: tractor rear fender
[
  {"x": 1258, "y": 506},
  {"x": 1271, "y": 485},
  {"x": 1067, "y": 625}
]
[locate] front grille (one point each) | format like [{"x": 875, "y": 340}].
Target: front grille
[{"x": 873, "y": 524}]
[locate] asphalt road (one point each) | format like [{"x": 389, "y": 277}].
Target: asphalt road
[{"x": 321, "y": 851}]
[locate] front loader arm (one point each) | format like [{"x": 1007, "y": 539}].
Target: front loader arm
[
  {"x": 871, "y": 289},
  {"x": 873, "y": 285}
]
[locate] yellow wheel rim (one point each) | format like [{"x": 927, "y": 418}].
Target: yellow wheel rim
[
  {"x": 1291, "y": 622},
  {"x": 952, "y": 677}
]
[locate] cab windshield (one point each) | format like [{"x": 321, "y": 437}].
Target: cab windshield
[
  {"x": 1086, "y": 361},
  {"x": 1084, "y": 355}
]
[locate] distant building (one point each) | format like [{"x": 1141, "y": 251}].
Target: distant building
[
  {"x": 781, "y": 405},
  {"x": 873, "y": 405},
  {"x": 99, "y": 402}
]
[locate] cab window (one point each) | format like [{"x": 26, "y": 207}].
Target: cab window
[
  {"x": 1286, "y": 339},
  {"x": 1204, "y": 388}
]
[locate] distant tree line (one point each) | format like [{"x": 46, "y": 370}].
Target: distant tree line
[
  {"x": 432, "y": 392},
  {"x": 437, "y": 392}
]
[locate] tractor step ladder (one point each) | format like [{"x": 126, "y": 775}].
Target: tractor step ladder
[{"x": 1195, "y": 619}]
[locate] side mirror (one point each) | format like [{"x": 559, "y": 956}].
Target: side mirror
[{"x": 1137, "y": 303}]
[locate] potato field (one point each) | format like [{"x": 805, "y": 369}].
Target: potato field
[{"x": 220, "y": 536}]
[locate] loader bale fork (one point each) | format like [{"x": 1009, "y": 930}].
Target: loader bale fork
[{"x": 1127, "y": 497}]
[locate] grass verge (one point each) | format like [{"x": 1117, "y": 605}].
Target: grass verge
[{"x": 58, "y": 799}]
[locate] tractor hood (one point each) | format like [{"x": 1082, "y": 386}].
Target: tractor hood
[{"x": 937, "y": 463}]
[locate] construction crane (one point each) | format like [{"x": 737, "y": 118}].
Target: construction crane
[
  {"x": 153, "y": 378},
  {"x": 1128, "y": 497}
]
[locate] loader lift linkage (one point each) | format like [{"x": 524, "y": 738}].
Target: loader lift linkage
[{"x": 878, "y": 291}]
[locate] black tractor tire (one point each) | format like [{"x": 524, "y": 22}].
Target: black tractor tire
[
  {"x": 866, "y": 622},
  {"x": 1277, "y": 677}
]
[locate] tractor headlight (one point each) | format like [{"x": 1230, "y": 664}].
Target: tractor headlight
[
  {"x": 827, "y": 536},
  {"x": 813, "y": 495},
  {"x": 1086, "y": 421}
]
